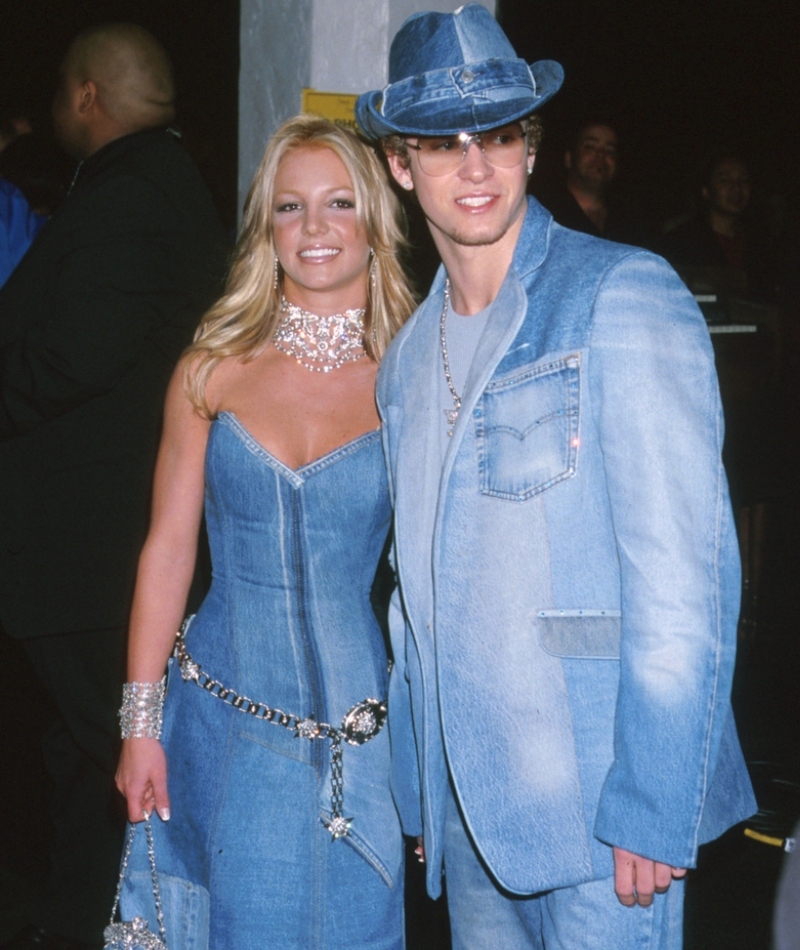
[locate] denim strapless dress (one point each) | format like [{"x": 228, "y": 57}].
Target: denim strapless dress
[{"x": 246, "y": 860}]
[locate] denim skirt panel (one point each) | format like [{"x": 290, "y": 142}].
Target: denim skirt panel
[{"x": 245, "y": 859}]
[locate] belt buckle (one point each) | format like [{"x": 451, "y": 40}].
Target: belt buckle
[{"x": 364, "y": 721}]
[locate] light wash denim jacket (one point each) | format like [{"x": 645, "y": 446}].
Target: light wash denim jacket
[{"x": 570, "y": 578}]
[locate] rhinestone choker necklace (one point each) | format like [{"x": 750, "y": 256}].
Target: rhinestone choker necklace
[{"x": 320, "y": 344}]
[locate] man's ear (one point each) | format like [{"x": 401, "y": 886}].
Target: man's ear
[
  {"x": 400, "y": 172},
  {"x": 87, "y": 97}
]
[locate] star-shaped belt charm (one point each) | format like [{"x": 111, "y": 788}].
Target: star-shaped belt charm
[{"x": 339, "y": 826}]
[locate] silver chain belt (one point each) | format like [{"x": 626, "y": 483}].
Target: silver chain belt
[{"x": 360, "y": 724}]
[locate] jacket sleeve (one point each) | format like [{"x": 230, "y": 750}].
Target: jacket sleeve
[
  {"x": 405, "y": 767},
  {"x": 654, "y": 396},
  {"x": 113, "y": 283},
  {"x": 405, "y": 773}
]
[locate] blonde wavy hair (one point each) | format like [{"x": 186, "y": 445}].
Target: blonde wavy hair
[{"x": 244, "y": 319}]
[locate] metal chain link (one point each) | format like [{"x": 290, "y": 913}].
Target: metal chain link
[
  {"x": 339, "y": 826},
  {"x": 450, "y": 414},
  {"x": 151, "y": 853},
  {"x": 360, "y": 724},
  {"x": 139, "y": 934}
]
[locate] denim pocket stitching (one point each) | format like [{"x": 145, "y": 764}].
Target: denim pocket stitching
[
  {"x": 569, "y": 368},
  {"x": 360, "y": 846}
]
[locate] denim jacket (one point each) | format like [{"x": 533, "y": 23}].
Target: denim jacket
[{"x": 564, "y": 638}]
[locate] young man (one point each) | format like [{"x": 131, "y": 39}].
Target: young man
[{"x": 569, "y": 575}]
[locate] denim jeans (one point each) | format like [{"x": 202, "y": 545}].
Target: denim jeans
[{"x": 585, "y": 917}]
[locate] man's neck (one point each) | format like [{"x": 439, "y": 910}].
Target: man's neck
[
  {"x": 592, "y": 202},
  {"x": 477, "y": 272},
  {"x": 728, "y": 225}
]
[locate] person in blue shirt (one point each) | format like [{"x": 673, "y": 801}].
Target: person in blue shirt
[{"x": 18, "y": 227}]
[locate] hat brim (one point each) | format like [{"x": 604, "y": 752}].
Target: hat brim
[{"x": 437, "y": 110}]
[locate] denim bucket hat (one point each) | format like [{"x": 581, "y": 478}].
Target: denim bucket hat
[{"x": 454, "y": 72}]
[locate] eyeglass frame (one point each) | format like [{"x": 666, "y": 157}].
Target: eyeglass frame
[{"x": 468, "y": 138}]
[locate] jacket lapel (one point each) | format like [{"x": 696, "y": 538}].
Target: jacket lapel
[
  {"x": 422, "y": 477},
  {"x": 505, "y": 319},
  {"x": 417, "y": 450}
]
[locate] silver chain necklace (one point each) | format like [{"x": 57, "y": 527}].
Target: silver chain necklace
[
  {"x": 320, "y": 344},
  {"x": 450, "y": 414}
]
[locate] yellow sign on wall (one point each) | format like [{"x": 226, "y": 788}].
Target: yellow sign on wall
[{"x": 339, "y": 107}]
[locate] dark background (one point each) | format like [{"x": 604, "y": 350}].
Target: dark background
[{"x": 678, "y": 79}]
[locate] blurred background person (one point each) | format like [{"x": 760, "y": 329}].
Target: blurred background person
[
  {"x": 39, "y": 169},
  {"x": 13, "y": 123},
  {"x": 588, "y": 198},
  {"x": 91, "y": 324},
  {"x": 722, "y": 235},
  {"x": 19, "y": 225}
]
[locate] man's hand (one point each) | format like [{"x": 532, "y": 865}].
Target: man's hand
[{"x": 636, "y": 879}]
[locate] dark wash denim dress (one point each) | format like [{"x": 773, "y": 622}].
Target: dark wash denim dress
[{"x": 245, "y": 860}]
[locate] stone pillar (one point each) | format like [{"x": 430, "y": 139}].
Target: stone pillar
[{"x": 328, "y": 45}]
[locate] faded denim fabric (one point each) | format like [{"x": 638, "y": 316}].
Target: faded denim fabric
[
  {"x": 570, "y": 579},
  {"x": 245, "y": 857},
  {"x": 454, "y": 71},
  {"x": 584, "y": 917}
]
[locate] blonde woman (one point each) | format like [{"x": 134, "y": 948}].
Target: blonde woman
[{"x": 277, "y": 825}]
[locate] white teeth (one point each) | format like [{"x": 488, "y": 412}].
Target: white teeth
[
  {"x": 319, "y": 252},
  {"x": 477, "y": 202}
]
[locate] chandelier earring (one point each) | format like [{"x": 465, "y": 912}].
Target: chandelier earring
[
  {"x": 373, "y": 272},
  {"x": 275, "y": 274}
]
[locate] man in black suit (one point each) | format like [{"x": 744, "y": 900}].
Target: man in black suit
[{"x": 91, "y": 324}]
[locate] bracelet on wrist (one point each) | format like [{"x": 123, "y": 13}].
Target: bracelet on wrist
[{"x": 141, "y": 713}]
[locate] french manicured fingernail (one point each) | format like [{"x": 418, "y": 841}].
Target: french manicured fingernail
[
  {"x": 146, "y": 814},
  {"x": 163, "y": 814}
]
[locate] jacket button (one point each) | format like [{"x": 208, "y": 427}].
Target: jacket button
[{"x": 467, "y": 76}]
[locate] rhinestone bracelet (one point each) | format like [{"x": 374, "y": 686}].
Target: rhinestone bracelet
[{"x": 142, "y": 707}]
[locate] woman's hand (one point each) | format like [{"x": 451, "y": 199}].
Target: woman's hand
[{"x": 142, "y": 778}]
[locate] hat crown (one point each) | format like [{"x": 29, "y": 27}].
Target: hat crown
[
  {"x": 429, "y": 41},
  {"x": 451, "y": 72}
]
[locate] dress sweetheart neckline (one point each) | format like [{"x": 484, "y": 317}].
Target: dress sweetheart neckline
[{"x": 320, "y": 459}]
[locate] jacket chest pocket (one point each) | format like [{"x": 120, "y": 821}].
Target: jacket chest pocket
[{"x": 527, "y": 430}]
